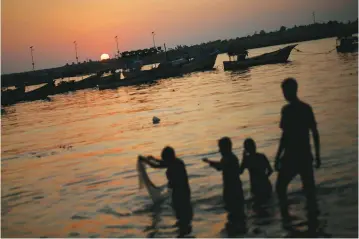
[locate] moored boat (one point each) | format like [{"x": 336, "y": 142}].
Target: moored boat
[
  {"x": 279, "y": 56},
  {"x": 187, "y": 65},
  {"x": 11, "y": 96},
  {"x": 347, "y": 44},
  {"x": 178, "y": 67},
  {"x": 40, "y": 93},
  {"x": 134, "y": 73},
  {"x": 126, "y": 82},
  {"x": 18, "y": 95},
  {"x": 133, "y": 69}
]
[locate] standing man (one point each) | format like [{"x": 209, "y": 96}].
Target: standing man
[
  {"x": 232, "y": 187},
  {"x": 178, "y": 181},
  {"x": 294, "y": 154}
]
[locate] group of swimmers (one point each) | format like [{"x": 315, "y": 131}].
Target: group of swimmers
[{"x": 293, "y": 157}]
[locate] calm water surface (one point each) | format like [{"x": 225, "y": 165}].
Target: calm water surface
[{"x": 69, "y": 165}]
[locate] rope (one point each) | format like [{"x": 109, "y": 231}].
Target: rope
[{"x": 314, "y": 53}]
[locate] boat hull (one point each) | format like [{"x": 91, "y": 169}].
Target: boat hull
[
  {"x": 126, "y": 82},
  {"x": 17, "y": 96},
  {"x": 279, "y": 56},
  {"x": 14, "y": 96},
  {"x": 203, "y": 63},
  {"x": 351, "y": 48},
  {"x": 167, "y": 69},
  {"x": 134, "y": 74},
  {"x": 9, "y": 97}
]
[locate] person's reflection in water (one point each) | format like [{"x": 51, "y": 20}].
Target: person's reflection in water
[
  {"x": 232, "y": 187},
  {"x": 294, "y": 154},
  {"x": 259, "y": 171},
  {"x": 178, "y": 182}
]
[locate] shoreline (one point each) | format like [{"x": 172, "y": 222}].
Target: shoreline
[{"x": 257, "y": 40}]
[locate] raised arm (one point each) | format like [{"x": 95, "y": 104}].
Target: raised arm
[
  {"x": 153, "y": 162},
  {"x": 214, "y": 164}
]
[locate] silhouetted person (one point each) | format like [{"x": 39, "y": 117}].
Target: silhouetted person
[
  {"x": 297, "y": 120},
  {"x": 259, "y": 171},
  {"x": 178, "y": 181},
  {"x": 242, "y": 54},
  {"x": 232, "y": 187},
  {"x": 52, "y": 83}
]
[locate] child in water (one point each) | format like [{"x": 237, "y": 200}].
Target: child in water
[
  {"x": 232, "y": 187},
  {"x": 178, "y": 181},
  {"x": 259, "y": 172}
]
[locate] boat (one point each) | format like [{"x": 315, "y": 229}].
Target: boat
[
  {"x": 11, "y": 96},
  {"x": 113, "y": 84},
  {"x": 130, "y": 74},
  {"x": 87, "y": 83},
  {"x": 19, "y": 95},
  {"x": 278, "y": 56},
  {"x": 40, "y": 93},
  {"x": 178, "y": 67},
  {"x": 347, "y": 44},
  {"x": 187, "y": 65},
  {"x": 64, "y": 87},
  {"x": 133, "y": 69}
]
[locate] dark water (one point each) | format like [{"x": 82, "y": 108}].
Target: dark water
[{"x": 69, "y": 165}]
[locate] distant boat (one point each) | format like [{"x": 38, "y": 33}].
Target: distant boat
[
  {"x": 145, "y": 79},
  {"x": 184, "y": 65},
  {"x": 178, "y": 67},
  {"x": 11, "y": 96},
  {"x": 347, "y": 44},
  {"x": 18, "y": 95},
  {"x": 132, "y": 69},
  {"x": 129, "y": 74},
  {"x": 40, "y": 93},
  {"x": 278, "y": 56},
  {"x": 188, "y": 65}
]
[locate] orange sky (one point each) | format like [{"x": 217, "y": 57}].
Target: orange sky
[{"x": 52, "y": 26}]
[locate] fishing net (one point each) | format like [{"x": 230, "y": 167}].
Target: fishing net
[{"x": 156, "y": 192}]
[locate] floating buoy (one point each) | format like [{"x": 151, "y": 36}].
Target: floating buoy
[{"x": 155, "y": 120}]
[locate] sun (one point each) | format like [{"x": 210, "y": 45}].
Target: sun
[{"x": 104, "y": 56}]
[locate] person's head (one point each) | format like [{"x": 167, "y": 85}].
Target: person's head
[
  {"x": 250, "y": 146},
  {"x": 225, "y": 145},
  {"x": 290, "y": 88},
  {"x": 168, "y": 154}
]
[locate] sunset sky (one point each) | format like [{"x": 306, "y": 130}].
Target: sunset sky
[{"x": 52, "y": 26}]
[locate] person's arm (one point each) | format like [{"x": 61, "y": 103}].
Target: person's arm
[
  {"x": 281, "y": 143},
  {"x": 316, "y": 139},
  {"x": 269, "y": 169},
  {"x": 244, "y": 163},
  {"x": 279, "y": 152},
  {"x": 213, "y": 164},
  {"x": 315, "y": 134},
  {"x": 153, "y": 162}
]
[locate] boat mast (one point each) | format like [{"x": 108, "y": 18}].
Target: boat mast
[
  {"x": 32, "y": 57},
  {"x": 164, "y": 44},
  {"x": 118, "y": 51}
]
